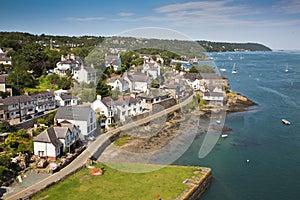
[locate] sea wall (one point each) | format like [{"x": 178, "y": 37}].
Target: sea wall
[{"x": 198, "y": 187}]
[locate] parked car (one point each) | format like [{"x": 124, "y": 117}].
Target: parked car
[
  {"x": 38, "y": 114},
  {"x": 26, "y": 117}
]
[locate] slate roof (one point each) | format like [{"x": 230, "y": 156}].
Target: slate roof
[
  {"x": 154, "y": 93},
  {"x": 138, "y": 77},
  {"x": 111, "y": 60},
  {"x": 79, "y": 113},
  {"x": 123, "y": 100},
  {"x": 15, "y": 100},
  {"x": 61, "y": 132},
  {"x": 48, "y": 136}
]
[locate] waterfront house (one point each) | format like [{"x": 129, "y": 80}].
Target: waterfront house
[
  {"x": 119, "y": 109},
  {"x": 153, "y": 96},
  {"x": 84, "y": 117},
  {"x": 54, "y": 141}
]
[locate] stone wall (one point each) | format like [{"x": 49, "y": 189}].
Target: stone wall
[{"x": 198, "y": 188}]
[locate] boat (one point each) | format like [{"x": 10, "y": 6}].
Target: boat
[
  {"x": 224, "y": 135},
  {"x": 234, "y": 71},
  {"x": 222, "y": 69},
  {"x": 286, "y": 68},
  {"x": 285, "y": 122}
]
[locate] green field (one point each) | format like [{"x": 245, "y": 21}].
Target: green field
[{"x": 114, "y": 184}]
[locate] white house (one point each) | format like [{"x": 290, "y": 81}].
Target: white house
[
  {"x": 68, "y": 63},
  {"x": 52, "y": 142},
  {"x": 44, "y": 101},
  {"x": 216, "y": 98},
  {"x": 137, "y": 82},
  {"x": 117, "y": 110},
  {"x": 84, "y": 117},
  {"x": 63, "y": 98},
  {"x": 152, "y": 96},
  {"x": 151, "y": 69},
  {"x": 115, "y": 82},
  {"x": 3, "y": 83},
  {"x": 5, "y": 60},
  {"x": 85, "y": 74}
]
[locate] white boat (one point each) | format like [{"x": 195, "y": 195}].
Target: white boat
[
  {"x": 222, "y": 69},
  {"x": 234, "y": 71},
  {"x": 224, "y": 135},
  {"x": 286, "y": 68},
  {"x": 286, "y": 122}
]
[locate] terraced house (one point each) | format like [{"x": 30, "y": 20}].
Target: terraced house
[{"x": 19, "y": 106}]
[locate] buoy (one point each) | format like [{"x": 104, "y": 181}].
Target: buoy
[{"x": 247, "y": 161}]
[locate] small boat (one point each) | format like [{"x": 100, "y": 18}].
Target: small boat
[
  {"x": 234, "y": 71},
  {"x": 285, "y": 122},
  {"x": 247, "y": 161},
  {"x": 224, "y": 135},
  {"x": 218, "y": 121},
  {"x": 286, "y": 68},
  {"x": 222, "y": 69}
]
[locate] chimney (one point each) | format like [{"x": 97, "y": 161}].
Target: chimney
[{"x": 55, "y": 122}]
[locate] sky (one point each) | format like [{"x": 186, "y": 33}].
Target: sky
[{"x": 274, "y": 23}]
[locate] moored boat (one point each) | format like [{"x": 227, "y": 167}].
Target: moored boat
[{"x": 286, "y": 122}]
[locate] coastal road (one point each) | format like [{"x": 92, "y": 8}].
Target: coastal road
[{"x": 94, "y": 148}]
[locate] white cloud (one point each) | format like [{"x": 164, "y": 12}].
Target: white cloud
[
  {"x": 225, "y": 12},
  {"x": 125, "y": 14},
  {"x": 85, "y": 18}
]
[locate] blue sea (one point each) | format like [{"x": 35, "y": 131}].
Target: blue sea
[{"x": 258, "y": 134}]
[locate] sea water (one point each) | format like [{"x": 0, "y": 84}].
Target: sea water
[{"x": 258, "y": 134}]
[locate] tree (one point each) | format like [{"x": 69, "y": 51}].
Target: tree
[
  {"x": 103, "y": 89},
  {"x": 194, "y": 70},
  {"x": 115, "y": 93},
  {"x": 178, "y": 66},
  {"x": 154, "y": 84}
]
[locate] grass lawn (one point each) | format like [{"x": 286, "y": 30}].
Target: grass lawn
[
  {"x": 114, "y": 184},
  {"x": 122, "y": 140}
]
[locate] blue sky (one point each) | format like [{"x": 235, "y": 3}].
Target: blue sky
[{"x": 275, "y": 23}]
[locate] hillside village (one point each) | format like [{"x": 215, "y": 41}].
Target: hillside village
[{"x": 131, "y": 95}]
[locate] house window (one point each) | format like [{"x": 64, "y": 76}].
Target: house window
[
  {"x": 123, "y": 113},
  {"x": 40, "y": 153},
  {"x": 141, "y": 108},
  {"x": 109, "y": 121}
]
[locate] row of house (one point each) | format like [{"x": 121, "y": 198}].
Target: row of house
[{"x": 18, "y": 106}]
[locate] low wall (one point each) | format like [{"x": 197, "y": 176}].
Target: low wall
[{"x": 199, "y": 187}]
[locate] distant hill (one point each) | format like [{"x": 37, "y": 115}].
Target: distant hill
[
  {"x": 16, "y": 40},
  {"x": 224, "y": 46}
]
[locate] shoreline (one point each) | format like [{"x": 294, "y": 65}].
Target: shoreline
[{"x": 155, "y": 136}]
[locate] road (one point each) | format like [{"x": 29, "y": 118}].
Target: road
[{"x": 94, "y": 148}]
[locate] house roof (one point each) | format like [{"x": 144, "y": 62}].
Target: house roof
[
  {"x": 193, "y": 76},
  {"x": 48, "y": 136},
  {"x": 123, "y": 100},
  {"x": 79, "y": 113},
  {"x": 154, "y": 93},
  {"x": 15, "y": 99},
  {"x": 42, "y": 95},
  {"x": 67, "y": 96},
  {"x": 213, "y": 94},
  {"x": 61, "y": 132},
  {"x": 111, "y": 59},
  {"x": 138, "y": 77}
]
